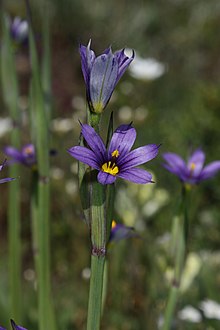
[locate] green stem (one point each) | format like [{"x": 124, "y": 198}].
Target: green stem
[
  {"x": 98, "y": 226},
  {"x": 15, "y": 246},
  {"x": 10, "y": 93},
  {"x": 40, "y": 134},
  {"x": 180, "y": 239},
  {"x": 34, "y": 219},
  {"x": 95, "y": 293}
]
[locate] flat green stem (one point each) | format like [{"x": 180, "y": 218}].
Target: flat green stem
[{"x": 95, "y": 293}]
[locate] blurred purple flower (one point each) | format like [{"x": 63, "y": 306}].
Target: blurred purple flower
[
  {"x": 193, "y": 171},
  {"x": 118, "y": 160},
  {"x": 26, "y": 156},
  {"x": 120, "y": 231},
  {"x": 5, "y": 179},
  {"x": 101, "y": 74},
  {"x": 19, "y": 30},
  {"x": 14, "y": 326}
]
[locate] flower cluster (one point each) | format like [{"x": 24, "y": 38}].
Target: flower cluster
[
  {"x": 192, "y": 171},
  {"x": 118, "y": 160},
  {"x": 101, "y": 74}
]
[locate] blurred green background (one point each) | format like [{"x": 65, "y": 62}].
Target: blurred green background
[{"x": 179, "y": 108}]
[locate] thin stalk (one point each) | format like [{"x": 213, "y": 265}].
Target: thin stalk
[
  {"x": 34, "y": 219},
  {"x": 46, "y": 59},
  {"x": 180, "y": 239},
  {"x": 10, "y": 93},
  {"x": 95, "y": 293},
  {"x": 98, "y": 226},
  {"x": 40, "y": 129}
]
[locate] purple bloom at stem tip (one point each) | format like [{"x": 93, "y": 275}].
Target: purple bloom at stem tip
[
  {"x": 5, "y": 179},
  {"x": 27, "y": 155},
  {"x": 101, "y": 74},
  {"x": 193, "y": 171},
  {"x": 118, "y": 160}
]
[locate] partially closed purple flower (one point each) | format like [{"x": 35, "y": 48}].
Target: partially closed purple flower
[
  {"x": 118, "y": 160},
  {"x": 193, "y": 171},
  {"x": 27, "y": 155},
  {"x": 101, "y": 74},
  {"x": 19, "y": 30},
  {"x": 5, "y": 179}
]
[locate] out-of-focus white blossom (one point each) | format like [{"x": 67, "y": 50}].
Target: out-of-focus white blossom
[
  {"x": 191, "y": 314},
  {"x": 211, "y": 309},
  {"x": 63, "y": 125},
  {"x": 5, "y": 126},
  {"x": 146, "y": 68}
]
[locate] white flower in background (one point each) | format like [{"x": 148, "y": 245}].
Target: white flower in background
[
  {"x": 146, "y": 68},
  {"x": 211, "y": 309},
  {"x": 63, "y": 125},
  {"x": 5, "y": 126},
  {"x": 71, "y": 187},
  {"x": 57, "y": 173},
  {"x": 191, "y": 314}
]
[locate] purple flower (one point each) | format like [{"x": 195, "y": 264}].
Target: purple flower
[
  {"x": 27, "y": 155},
  {"x": 5, "y": 179},
  {"x": 101, "y": 74},
  {"x": 14, "y": 326},
  {"x": 118, "y": 160},
  {"x": 120, "y": 231},
  {"x": 19, "y": 30},
  {"x": 193, "y": 171}
]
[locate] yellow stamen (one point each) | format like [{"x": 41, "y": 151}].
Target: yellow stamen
[
  {"x": 110, "y": 168},
  {"x": 114, "y": 224},
  {"x": 192, "y": 167},
  {"x": 28, "y": 150},
  {"x": 115, "y": 153}
]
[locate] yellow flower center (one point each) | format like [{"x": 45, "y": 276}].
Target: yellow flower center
[
  {"x": 28, "y": 150},
  {"x": 115, "y": 153},
  {"x": 192, "y": 167},
  {"x": 110, "y": 168},
  {"x": 114, "y": 224}
]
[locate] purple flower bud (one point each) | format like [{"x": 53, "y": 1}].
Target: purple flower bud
[
  {"x": 101, "y": 74},
  {"x": 19, "y": 30}
]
